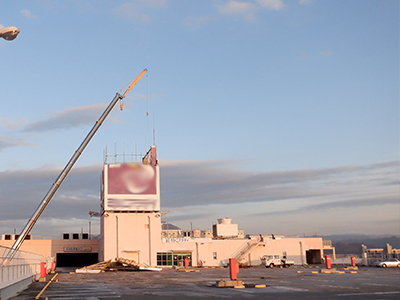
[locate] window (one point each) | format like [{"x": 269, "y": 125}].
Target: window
[
  {"x": 65, "y": 236},
  {"x": 85, "y": 236},
  {"x": 173, "y": 259},
  {"x": 215, "y": 255},
  {"x": 75, "y": 236},
  {"x": 7, "y": 237}
]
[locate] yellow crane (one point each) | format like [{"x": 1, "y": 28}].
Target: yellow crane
[{"x": 28, "y": 227}]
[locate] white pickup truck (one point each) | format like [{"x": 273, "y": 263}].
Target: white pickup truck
[{"x": 270, "y": 261}]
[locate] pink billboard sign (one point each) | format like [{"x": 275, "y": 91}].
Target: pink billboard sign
[
  {"x": 131, "y": 187},
  {"x": 135, "y": 179}
]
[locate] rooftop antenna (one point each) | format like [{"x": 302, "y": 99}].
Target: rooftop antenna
[
  {"x": 154, "y": 129},
  {"x": 124, "y": 153},
  {"x": 147, "y": 110},
  {"x": 105, "y": 154},
  {"x": 136, "y": 155},
  {"x": 115, "y": 152}
]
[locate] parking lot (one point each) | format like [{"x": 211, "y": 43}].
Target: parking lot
[{"x": 292, "y": 283}]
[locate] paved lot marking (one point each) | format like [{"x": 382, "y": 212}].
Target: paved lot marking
[{"x": 367, "y": 294}]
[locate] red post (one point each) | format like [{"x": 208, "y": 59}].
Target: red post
[
  {"x": 353, "y": 261},
  {"x": 43, "y": 271},
  {"x": 328, "y": 262},
  {"x": 52, "y": 266},
  {"x": 186, "y": 263},
  {"x": 233, "y": 268}
]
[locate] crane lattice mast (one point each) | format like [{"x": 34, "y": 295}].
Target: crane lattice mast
[{"x": 28, "y": 227}]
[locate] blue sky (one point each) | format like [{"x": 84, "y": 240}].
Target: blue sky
[{"x": 283, "y": 115}]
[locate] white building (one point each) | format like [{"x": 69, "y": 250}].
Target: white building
[{"x": 131, "y": 227}]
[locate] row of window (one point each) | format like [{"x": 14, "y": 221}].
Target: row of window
[
  {"x": 75, "y": 236},
  {"x": 173, "y": 259},
  {"x": 176, "y": 259},
  {"x": 9, "y": 237}
]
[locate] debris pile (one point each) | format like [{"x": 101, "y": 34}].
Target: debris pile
[
  {"x": 129, "y": 262},
  {"x": 96, "y": 268},
  {"x": 120, "y": 264}
]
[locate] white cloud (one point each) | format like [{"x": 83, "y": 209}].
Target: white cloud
[
  {"x": 271, "y": 4},
  {"x": 203, "y": 190},
  {"x": 69, "y": 118},
  {"x": 26, "y": 13},
  {"x": 6, "y": 142},
  {"x": 154, "y": 4},
  {"x": 138, "y": 10},
  {"x": 325, "y": 53},
  {"x": 210, "y": 182},
  {"x": 1, "y": 26},
  {"x": 196, "y": 22},
  {"x": 51, "y": 228},
  {"x": 236, "y": 7},
  {"x": 132, "y": 12},
  {"x": 10, "y": 123},
  {"x": 247, "y": 9}
]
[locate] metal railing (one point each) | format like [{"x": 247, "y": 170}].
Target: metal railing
[
  {"x": 23, "y": 264},
  {"x": 327, "y": 243},
  {"x": 244, "y": 248}
]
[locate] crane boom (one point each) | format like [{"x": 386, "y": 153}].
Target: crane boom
[{"x": 28, "y": 227}]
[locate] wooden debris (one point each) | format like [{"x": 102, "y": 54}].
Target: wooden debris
[
  {"x": 120, "y": 264},
  {"x": 130, "y": 263},
  {"x": 101, "y": 267},
  {"x": 41, "y": 292},
  {"x": 84, "y": 271},
  {"x": 126, "y": 262},
  {"x": 150, "y": 269}
]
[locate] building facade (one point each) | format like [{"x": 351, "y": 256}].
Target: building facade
[
  {"x": 371, "y": 255},
  {"x": 131, "y": 227}
]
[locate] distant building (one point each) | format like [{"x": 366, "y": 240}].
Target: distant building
[
  {"x": 371, "y": 255},
  {"x": 72, "y": 249},
  {"x": 170, "y": 231}
]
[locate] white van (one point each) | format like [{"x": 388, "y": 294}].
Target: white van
[{"x": 270, "y": 261}]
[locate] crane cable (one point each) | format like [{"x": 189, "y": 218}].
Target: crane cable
[{"x": 147, "y": 109}]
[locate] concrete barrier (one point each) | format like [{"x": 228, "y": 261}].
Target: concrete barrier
[
  {"x": 16, "y": 274},
  {"x": 12, "y": 287}
]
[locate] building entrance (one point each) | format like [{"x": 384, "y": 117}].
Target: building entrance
[
  {"x": 76, "y": 259},
  {"x": 313, "y": 256},
  {"x": 173, "y": 259}
]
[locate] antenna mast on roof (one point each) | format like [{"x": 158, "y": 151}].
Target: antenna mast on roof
[{"x": 154, "y": 129}]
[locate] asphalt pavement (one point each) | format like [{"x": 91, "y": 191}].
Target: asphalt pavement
[{"x": 292, "y": 283}]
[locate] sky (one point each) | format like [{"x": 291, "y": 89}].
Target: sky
[{"x": 280, "y": 114}]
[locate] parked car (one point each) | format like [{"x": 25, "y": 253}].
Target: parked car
[
  {"x": 270, "y": 261},
  {"x": 390, "y": 262}
]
